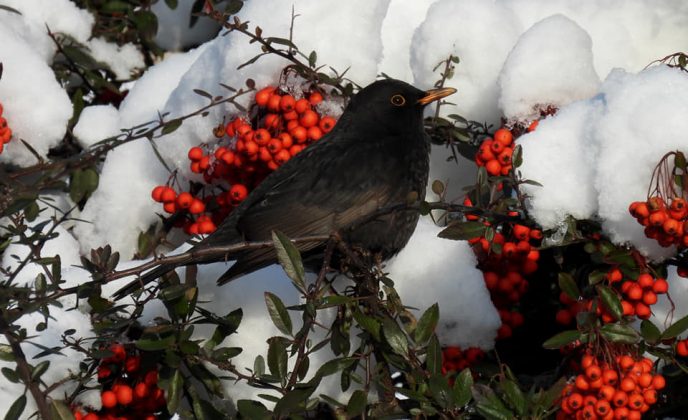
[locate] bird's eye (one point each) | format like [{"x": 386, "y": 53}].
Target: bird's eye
[{"x": 398, "y": 100}]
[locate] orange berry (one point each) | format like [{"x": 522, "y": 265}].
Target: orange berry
[
  {"x": 593, "y": 372},
  {"x": 197, "y": 206},
  {"x": 606, "y": 392},
  {"x": 493, "y": 167},
  {"x": 91, "y": 416},
  {"x": 282, "y": 156},
  {"x": 141, "y": 390},
  {"x": 575, "y": 401},
  {"x": 635, "y": 401},
  {"x": 628, "y": 309},
  {"x": 642, "y": 311},
  {"x": 621, "y": 413},
  {"x": 533, "y": 126},
  {"x": 156, "y": 194},
  {"x": 649, "y": 297},
  {"x": 327, "y": 124},
  {"x": 170, "y": 207},
  {"x": 228, "y": 157},
  {"x": 660, "y": 286},
  {"x": 315, "y": 98},
  {"x": 682, "y": 348},
  {"x": 302, "y": 105},
  {"x": 263, "y": 95},
  {"x": 634, "y": 292},
  {"x": 644, "y": 380},
  {"x": 626, "y": 362},
  {"x": 582, "y": 383},
  {"x": 195, "y": 153},
  {"x": 645, "y": 280},
  {"x": 315, "y": 133},
  {"x": 627, "y": 384},
  {"x": 125, "y": 395},
  {"x": 295, "y": 149},
  {"x": 650, "y": 396},
  {"x": 308, "y": 119},
  {"x": 168, "y": 195},
  {"x": 206, "y": 226},
  {"x": 287, "y": 103},
  {"x": 270, "y": 121},
  {"x": 286, "y": 140},
  {"x": 657, "y": 218},
  {"x": 658, "y": 382},
  {"x": 671, "y": 227},
  {"x": 589, "y": 412},
  {"x": 238, "y": 192},
  {"x": 620, "y": 398},
  {"x": 274, "y": 102},
  {"x": 243, "y": 129},
  {"x": 299, "y": 133},
  {"x": 261, "y": 136},
  {"x": 503, "y": 136},
  {"x": 274, "y": 146},
  {"x": 602, "y": 408},
  {"x": 184, "y": 200},
  {"x": 291, "y": 116},
  {"x": 132, "y": 364},
  {"x": 108, "y": 399}
]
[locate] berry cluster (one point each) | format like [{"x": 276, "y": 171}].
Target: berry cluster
[
  {"x": 129, "y": 392},
  {"x": 280, "y": 127},
  {"x": 567, "y": 315},
  {"x": 663, "y": 222},
  {"x": 495, "y": 153},
  {"x": 5, "y": 131},
  {"x": 623, "y": 389},
  {"x": 505, "y": 261},
  {"x": 639, "y": 294},
  {"x": 455, "y": 360}
]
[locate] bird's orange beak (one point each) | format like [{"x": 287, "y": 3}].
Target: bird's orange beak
[{"x": 435, "y": 94}]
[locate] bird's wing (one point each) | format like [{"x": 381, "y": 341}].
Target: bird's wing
[{"x": 317, "y": 195}]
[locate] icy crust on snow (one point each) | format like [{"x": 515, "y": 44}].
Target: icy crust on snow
[
  {"x": 595, "y": 157},
  {"x": 551, "y": 64}
]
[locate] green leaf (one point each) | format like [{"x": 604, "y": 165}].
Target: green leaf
[
  {"x": 40, "y": 369},
  {"x": 10, "y": 374},
  {"x": 60, "y": 410},
  {"x": 427, "y": 324},
  {"x": 259, "y": 366},
  {"x": 225, "y": 353},
  {"x": 517, "y": 157},
  {"x": 312, "y": 59},
  {"x": 251, "y": 409},
  {"x": 439, "y": 389},
  {"x": 433, "y": 355},
  {"x": 280, "y": 41},
  {"x": 175, "y": 390},
  {"x": 463, "y": 231},
  {"x": 676, "y": 328},
  {"x": 172, "y": 4},
  {"x": 462, "y": 388},
  {"x": 649, "y": 331},
  {"x": 146, "y": 22},
  {"x": 171, "y": 126},
  {"x": 680, "y": 160},
  {"x": 395, "y": 337},
  {"x": 370, "y": 325},
  {"x": 277, "y": 358},
  {"x": 335, "y": 365},
  {"x": 514, "y": 396},
  {"x": 610, "y": 301},
  {"x": 278, "y": 313},
  {"x": 568, "y": 285},
  {"x": 290, "y": 259},
  {"x": 6, "y": 354},
  {"x": 155, "y": 344},
  {"x": 16, "y": 409},
  {"x": 295, "y": 398},
  {"x": 619, "y": 333},
  {"x": 357, "y": 404},
  {"x": 562, "y": 339}
]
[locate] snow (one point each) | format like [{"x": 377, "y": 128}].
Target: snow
[
  {"x": 588, "y": 155},
  {"x": 122, "y": 60},
  {"x": 551, "y": 64},
  {"x": 593, "y": 158},
  {"x": 434, "y": 270}
]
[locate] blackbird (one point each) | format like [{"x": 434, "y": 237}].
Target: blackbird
[{"x": 375, "y": 157}]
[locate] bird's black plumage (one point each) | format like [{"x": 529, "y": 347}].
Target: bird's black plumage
[{"x": 376, "y": 155}]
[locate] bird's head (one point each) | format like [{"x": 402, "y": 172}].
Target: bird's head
[{"x": 392, "y": 105}]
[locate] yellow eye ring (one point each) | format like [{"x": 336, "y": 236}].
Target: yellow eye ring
[{"x": 398, "y": 100}]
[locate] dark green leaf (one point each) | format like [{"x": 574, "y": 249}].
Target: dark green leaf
[
  {"x": 562, "y": 339},
  {"x": 171, "y": 126},
  {"x": 278, "y": 313},
  {"x": 680, "y": 160},
  {"x": 517, "y": 157},
  {"x": 610, "y": 301},
  {"x": 290, "y": 259},
  {"x": 568, "y": 285},
  {"x": 676, "y": 328},
  {"x": 619, "y": 333},
  {"x": 395, "y": 337},
  {"x": 295, "y": 398},
  {"x": 649, "y": 331},
  {"x": 10, "y": 374},
  {"x": 439, "y": 389},
  {"x": 462, "y": 388},
  {"x": 225, "y": 353},
  {"x": 514, "y": 396},
  {"x": 259, "y": 366},
  {"x": 427, "y": 324},
  {"x": 146, "y": 22},
  {"x": 463, "y": 231},
  {"x": 312, "y": 58},
  {"x": 175, "y": 390},
  {"x": 16, "y": 409},
  {"x": 357, "y": 404},
  {"x": 335, "y": 365},
  {"x": 250, "y": 409},
  {"x": 6, "y": 354},
  {"x": 172, "y": 4},
  {"x": 40, "y": 369},
  {"x": 280, "y": 41},
  {"x": 433, "y": 356},
  {"x": 277, "y": 358},
  {"x": 60, "y": 410},
  {"x": 155, "y": 344}
]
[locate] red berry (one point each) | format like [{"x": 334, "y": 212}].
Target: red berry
[
  {"x": 125, "y": 395},
  {"x": 156, "y": 194},
  {"x": 108, "y": 399},
  {"x": 238, "y": 192},
  {"x": 141, "y": 390},
  {"x": 327, "y": 124},
  {"x": 195, "y": 153},
  {"x": 308, "y": 119},
  {"x": 287, "y": 103},
  {"x": 197, "y": 206},
  {"x": 263, "y": 95},
  {"x": 184, "y": 200},
  {"x": 315, "y": 98}
]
